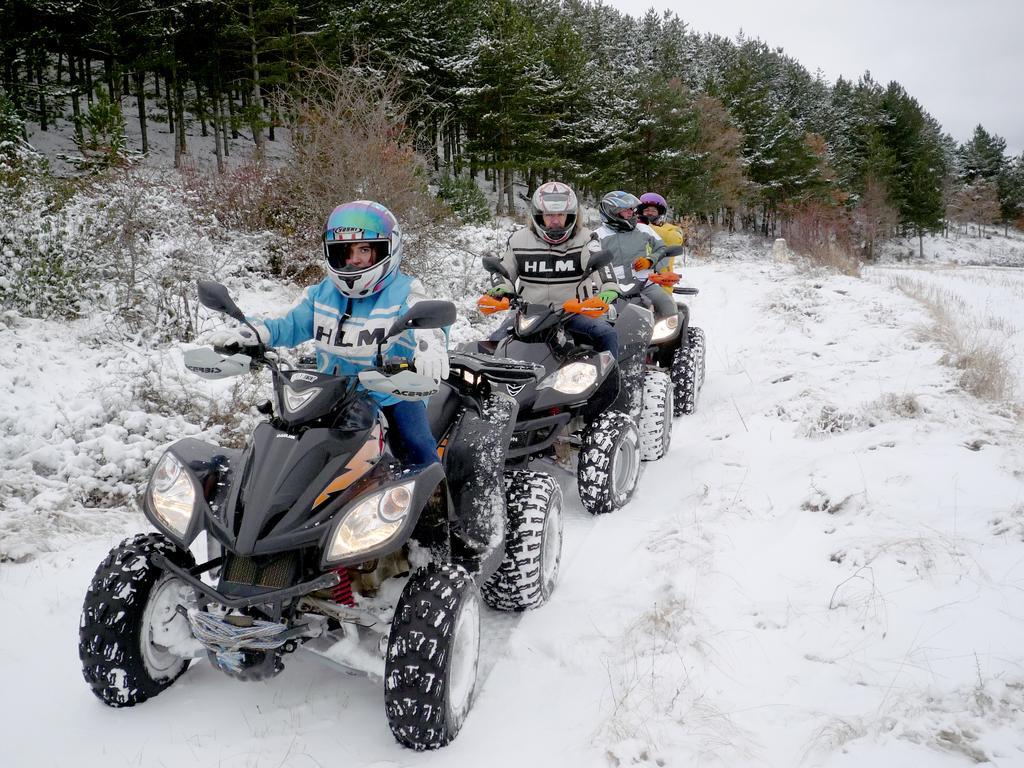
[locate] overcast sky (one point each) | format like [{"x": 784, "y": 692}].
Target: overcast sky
[{"x": 963, "y": 60}]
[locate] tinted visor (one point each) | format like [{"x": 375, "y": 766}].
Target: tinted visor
[{"x": 338, "y": 253}]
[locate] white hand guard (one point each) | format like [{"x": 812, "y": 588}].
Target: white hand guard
[
  {"x": 242, "y": 336},
  {"x": 431, "y": 355}
]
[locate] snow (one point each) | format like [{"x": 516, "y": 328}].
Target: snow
[{"x": 826, "y": 568}]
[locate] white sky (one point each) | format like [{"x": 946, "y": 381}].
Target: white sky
[{"x": 963, "y": 60}]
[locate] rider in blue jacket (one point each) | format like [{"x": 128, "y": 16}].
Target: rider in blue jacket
[{"x": 348, "y": 312}]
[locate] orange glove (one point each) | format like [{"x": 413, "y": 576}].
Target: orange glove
[
  {"x": 488, "y": 305},
  {"x": 641, "y": 263},
  {"x": 592, "y": 307},
  {"x": 665, "y": 278}
]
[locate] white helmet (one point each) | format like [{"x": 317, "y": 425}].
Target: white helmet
[
  {"x": 362, "y": 221},
  {"x": 553, "y": 197}
]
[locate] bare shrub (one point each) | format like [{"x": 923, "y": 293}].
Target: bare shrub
[
  {"x": 147, "y": 249},
  {"x": 821, "y": 233},
  {"x": 155, "y": 389},
  {"x": 352, "y": 141},
  {"x": 875, "y": 217}
]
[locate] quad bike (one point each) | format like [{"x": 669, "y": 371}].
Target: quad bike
[
  {"x": 583, "y": 401},
  {"x": 676, "y": 347},
  {"x": 320, "y": 540}
]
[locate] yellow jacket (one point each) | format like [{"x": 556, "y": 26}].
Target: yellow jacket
[{"x": 670, "y": 235}]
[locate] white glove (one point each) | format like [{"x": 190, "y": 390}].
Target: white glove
[
  {"x": 242, "y": 336},
  {"x": 431, "y": 355}
]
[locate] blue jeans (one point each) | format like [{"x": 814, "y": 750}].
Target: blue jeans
[
  {"x": 594, "y": 331},
  {"x": 410, "y": 437}
]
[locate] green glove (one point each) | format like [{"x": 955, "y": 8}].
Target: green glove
[
  {"x": 608, "y": 296},
  {"x": 499, "y": 290}
]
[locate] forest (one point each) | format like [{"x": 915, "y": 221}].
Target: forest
[{"x": 732, "y": 132}]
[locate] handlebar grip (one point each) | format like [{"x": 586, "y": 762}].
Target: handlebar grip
[{"x": 390, "y": 369}]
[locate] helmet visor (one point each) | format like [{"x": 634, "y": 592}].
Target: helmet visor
[
  {"x": 339, "y": 255},
  {"x": 555, "y": 202}
]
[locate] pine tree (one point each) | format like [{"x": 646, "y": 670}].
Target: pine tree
[
  {"x": 983, "y": 156},
  {"x": 913, "y": 142},
  {"x": 1011, "y": 191}
]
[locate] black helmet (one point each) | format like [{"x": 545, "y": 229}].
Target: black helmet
[{"x": 615, "y": 202}]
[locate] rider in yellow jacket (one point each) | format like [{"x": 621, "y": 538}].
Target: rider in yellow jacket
[{"x": 652, "y": 212}]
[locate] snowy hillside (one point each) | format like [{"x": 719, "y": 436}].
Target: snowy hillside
[{"x": 827, "y": 568}]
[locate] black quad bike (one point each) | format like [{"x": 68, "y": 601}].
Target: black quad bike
[
  {"x": 320, "y": 540},
  {"x": 676, "y": 347},
  {"x": 583, "y": 401}
]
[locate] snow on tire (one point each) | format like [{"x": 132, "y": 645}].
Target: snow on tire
[
  {"x": 688, "y": 372},
  {"x": 656, "y": 416},
  {"x": 129, "y": 609},
  {"x": 533, "y": 543},
  {"x": 431, "y": 663},
  {"x": 609, "y": 462}
]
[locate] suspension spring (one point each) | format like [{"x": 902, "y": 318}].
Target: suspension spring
[{"x": 341, "y": 593}]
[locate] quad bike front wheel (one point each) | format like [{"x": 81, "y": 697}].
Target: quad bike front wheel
[
  {"x": 533, "y": 543},
  {"x": 688, "y": 367},
  {"x": 130, "y": 622},
  {"x": 609, "y": 462},
  {"x": 431, "y": 666},
  {"x": 656, "y": 416}
]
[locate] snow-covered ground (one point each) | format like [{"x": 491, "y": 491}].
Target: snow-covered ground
[
  {"x": 827, "y": 569},
  {"x": 961, "y": 247}
]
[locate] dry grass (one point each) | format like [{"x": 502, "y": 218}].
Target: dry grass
[{"x": 983, "y": 362}]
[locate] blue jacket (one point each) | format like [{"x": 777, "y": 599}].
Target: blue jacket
[{"x": 346, "y": 331}]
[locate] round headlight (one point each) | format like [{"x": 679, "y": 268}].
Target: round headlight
[{"x": 665, "y": 328}]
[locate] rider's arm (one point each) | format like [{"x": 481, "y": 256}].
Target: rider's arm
[
  {"x": 657, "y": 249},
  {"x": 295, "y": 327},
  {"x": 410, "y": 339},
  {"x": 606, "y": 275},
  {"x": 508, "y": 261}
]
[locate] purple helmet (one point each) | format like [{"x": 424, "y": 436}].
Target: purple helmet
[{"x": 648, "y": 199}]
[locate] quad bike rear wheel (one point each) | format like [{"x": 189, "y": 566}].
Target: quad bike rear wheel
[
  {"x": 430, "y": 669},
  {"x": 688, "y": 367},
  {"x": 656, "y": 416},
  {"x": 130, "y": 622},
  {"x": 609, "y": 462},
  {"x": 533, "y": 543}
]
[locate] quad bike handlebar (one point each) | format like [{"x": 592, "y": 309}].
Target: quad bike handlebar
[{"x": 592, "y": 307}]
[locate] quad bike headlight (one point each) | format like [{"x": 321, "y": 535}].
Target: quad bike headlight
[
  {"x": 371, "y": 522},
  {"x": 524, "y": 323},
  {"x": 571, "y": 380},
  {"x": 172, "y": 494},
  {"x": 665, "y": 329}
]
